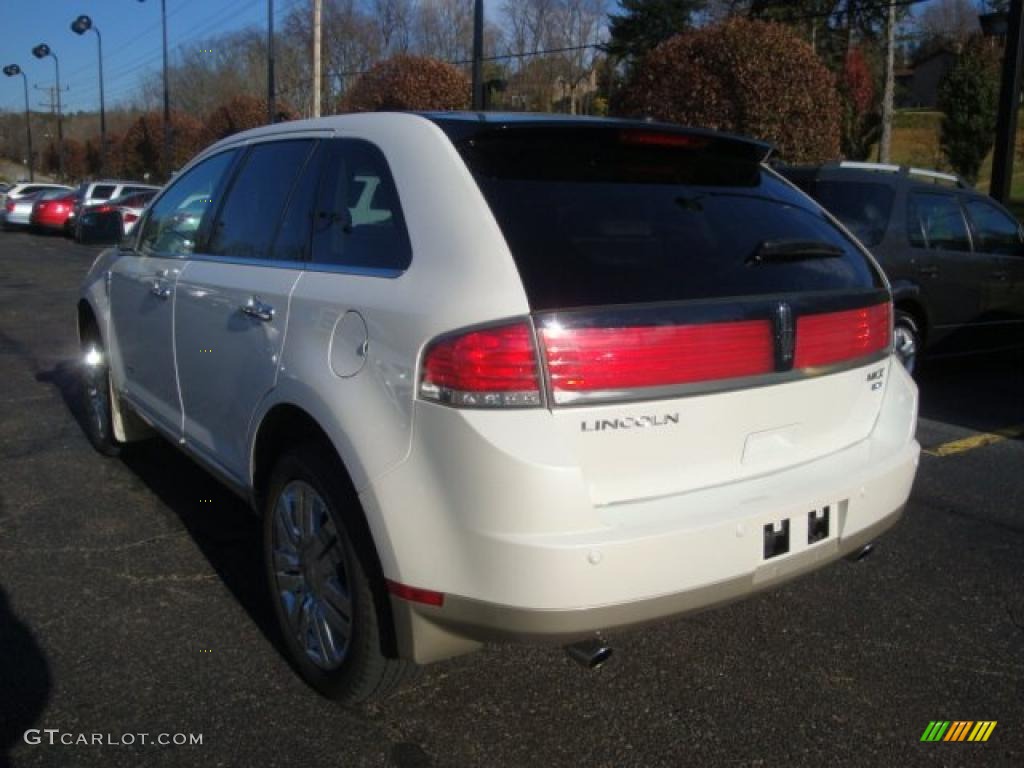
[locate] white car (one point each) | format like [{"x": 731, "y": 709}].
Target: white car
[
  {"x": 505, "y": 377},
  {"x": 23, "y": 188}
]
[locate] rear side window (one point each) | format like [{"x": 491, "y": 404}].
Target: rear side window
[
  {"x": 608, "y": 215},
  {"x": 102, "y": 191},
  {"x": 994, "y": 230},
  {"x": 249, "y": 218},
  {"x": 936, "y": 222},
  {"x": 863, "y": 207},
  {"x": 358, "y": 221}
]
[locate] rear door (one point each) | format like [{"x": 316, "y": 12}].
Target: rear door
[
  {"x": 233, "y": 299},
  {"x": 953, "y": 278},
  {"x": 142, "y": 295},
  {"x": 699, "y": 320},
  {"x": 998, "y": 235}
]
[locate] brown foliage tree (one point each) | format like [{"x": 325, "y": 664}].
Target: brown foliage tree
[
  {"x": 408, "y": 82},
  {"x": 141, "y": 149},
  {"x": 240, "y": 114},
  {"x": 750, "y": 77}
]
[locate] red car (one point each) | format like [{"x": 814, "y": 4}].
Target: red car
[{"x": 52, "y": 214}]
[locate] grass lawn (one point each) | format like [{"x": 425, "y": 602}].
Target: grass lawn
[{"x": 915, "y": 141}]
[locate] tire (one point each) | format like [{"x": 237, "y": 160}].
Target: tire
[
  {"x": 97, "y": 400},
  {"x": 907, "y": 340},
  {"x": 321, "y": 568}
]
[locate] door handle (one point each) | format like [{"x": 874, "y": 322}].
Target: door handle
[
  {"x": 256, "y": 308},
  {"x": 160, "y": 290},
  {"x": 928, "y": 271}
]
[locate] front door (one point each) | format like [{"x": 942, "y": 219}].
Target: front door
[
  {"x": 997, "y": 235},
  {"x": 143, "y": 298}
]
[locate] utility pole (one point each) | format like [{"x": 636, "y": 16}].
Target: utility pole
[
  {"x": 478, "y": 56},
  {"x": 885, "y": 144},
  {"x": 1009, "y": 103},
  {"x": 270, "y": 61},
  {"x": 317, "y": 11}
]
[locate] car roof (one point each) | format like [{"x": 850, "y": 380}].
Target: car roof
[
  {"x": 883, "y": 173},
  {"x": 450, "y": 122}
]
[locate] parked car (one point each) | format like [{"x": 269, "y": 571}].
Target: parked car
[
  {"x": 51, "y": 213},
  {"x": 108, "y": 222},
  {"x": 954, "y": 256},
  {"x": 18, "y": 211},
  {"x": 542, "y": 377},
  {"x": 24, "y": 189},
  {"x": 97, "y": 192}
]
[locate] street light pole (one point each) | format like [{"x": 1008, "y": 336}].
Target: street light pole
[
  {"x": 80, "y": 26},
  {"x": 478, "y": 56},
  {"x": 167, "y": 95},
  {"x": 270, "y": 61},
  {"x": 12, "y": 70},
  {"x": 41, "y": 51}
]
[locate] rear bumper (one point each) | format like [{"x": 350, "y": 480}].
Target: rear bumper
[
  {"x": 868, "y": 507},
  {"x": 570, "y": 569}
]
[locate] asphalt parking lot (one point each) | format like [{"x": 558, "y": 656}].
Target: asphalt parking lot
[{"x": 130, "y": 603}]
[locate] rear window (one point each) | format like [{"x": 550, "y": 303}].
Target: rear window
[
  {"x": 611, "y": 215},
  {"x": 102, "y": 191},
  {"x": 863, "y": 207}
]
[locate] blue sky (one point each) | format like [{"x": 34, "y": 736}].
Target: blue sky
[{"x": 131, "y": 41}]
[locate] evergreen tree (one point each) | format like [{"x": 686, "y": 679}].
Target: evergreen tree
[
  {"x": 644, "y": 24},
  {"x": 969, "y": 101}
]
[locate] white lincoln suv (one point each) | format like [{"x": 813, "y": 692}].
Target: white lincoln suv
[{"x": 491, "y": 377}]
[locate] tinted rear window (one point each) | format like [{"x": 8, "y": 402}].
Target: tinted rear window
[
  {"x": 608, "y": 215},
  {"x": 863, "y": 206},
  {"x": 102, "y": 191}
]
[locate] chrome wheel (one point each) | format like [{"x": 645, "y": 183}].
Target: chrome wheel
[
  {"x": 905, "y": 344},
  {"x": 310, "y": 575}
]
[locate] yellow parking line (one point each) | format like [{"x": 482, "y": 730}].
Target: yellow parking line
[{"x": 977, "y": 441}]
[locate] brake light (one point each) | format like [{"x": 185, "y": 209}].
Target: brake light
[
  {"x": 104, "y": 209},
  {"x": 128, "y": 217},
  {"x": 585, "y": 360},
  {"x": 9, "y": 206},
  {"x": 491, "y": 368},
  {"x": 834, "y": 337},
  {"x": 663, "y": 139}
]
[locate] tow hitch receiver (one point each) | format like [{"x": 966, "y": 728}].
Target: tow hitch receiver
[{"x": 776, "y": 539}]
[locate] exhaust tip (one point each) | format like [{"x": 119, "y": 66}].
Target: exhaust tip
[
  {"x": 589, "y": 654},
  {"x": 861, "y": 554}
]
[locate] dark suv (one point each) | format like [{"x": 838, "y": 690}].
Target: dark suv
[{"x": 955, "y": 257}]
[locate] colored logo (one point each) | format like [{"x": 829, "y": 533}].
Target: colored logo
[{"x": 958, "y": 730}]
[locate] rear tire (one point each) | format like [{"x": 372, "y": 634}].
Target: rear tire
[
  {"x": 323, "y": 582},
  {"x": 907, "y": 340}
]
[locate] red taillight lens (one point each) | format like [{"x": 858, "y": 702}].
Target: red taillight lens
[
  {"x": 609, "y": 359},
  {"x": 835, "y": 337},
  {"x": 104, "y": 209},
  {"x": 128, "y": 217},
  {"x": 493, "y": 367},
  {"x": 9, "y": 206}
]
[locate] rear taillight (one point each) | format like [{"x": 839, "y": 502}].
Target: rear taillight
[
  {"x": 104, "y": 209},
  {"x": 128, "y": 217},
  {"x": 490, "y": 368},
  {"x": 9, "y": 206},
  {"x": 837, "y": 337},
  {"x": 607, "y": 360}
]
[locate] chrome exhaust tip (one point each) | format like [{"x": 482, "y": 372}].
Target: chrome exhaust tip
[
  {"x": 861, "y": 554},
  {"x": 589, "y": 654}
]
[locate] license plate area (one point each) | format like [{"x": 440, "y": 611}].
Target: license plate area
[{"x": 784, "y": 535}]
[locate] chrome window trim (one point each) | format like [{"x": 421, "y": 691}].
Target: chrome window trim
[{"x": 305, "y": 266}]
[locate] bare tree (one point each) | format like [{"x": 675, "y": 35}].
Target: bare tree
[{"x": 947, "y": 23}]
